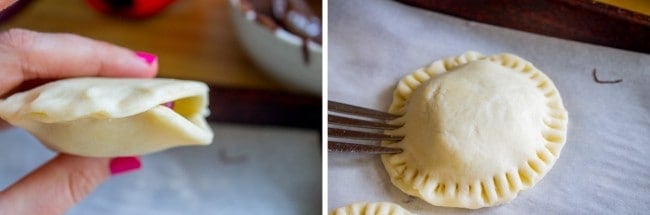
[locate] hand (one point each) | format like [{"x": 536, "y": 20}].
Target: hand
[{"x": 28, "y": 57}]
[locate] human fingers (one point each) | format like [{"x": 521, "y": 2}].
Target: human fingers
[
  {"x": 60, "y": 55},
  {"x": 61, "y": 183},
  {"x": 4, "y": 4}
]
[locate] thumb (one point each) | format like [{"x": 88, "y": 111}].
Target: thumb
[
  {"x": 60, "y": 183},
  {"x": 28, "y": 55}
]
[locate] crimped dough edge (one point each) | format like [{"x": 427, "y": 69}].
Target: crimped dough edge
[
  {"x": 489, "y": 191},
  {"x": 375, "y": 208}
]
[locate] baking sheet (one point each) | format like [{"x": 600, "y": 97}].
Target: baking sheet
[
  {"x": 604, "y": 167},
  {"x": 246, "y": 170}
]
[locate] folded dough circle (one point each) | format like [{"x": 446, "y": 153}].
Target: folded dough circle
[
  {"x": 477, "y": 130},
  {"x": 377, "y": 208},
  {"x": 108, "y": 117}
]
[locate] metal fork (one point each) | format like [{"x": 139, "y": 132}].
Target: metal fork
[{"x": 348, "y": 122}]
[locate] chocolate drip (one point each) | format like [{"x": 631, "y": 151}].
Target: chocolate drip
[
  {"x": 296, "y": 16},
  {"x": 305, "y": 51}
]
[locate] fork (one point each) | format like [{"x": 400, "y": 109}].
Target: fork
[{"x": 349, "y": 122}]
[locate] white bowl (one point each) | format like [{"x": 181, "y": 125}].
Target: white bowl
[{"x": 279, "y": 52}]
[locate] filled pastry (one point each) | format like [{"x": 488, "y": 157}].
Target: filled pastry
[
  {"x": 377, "y": 208},
  {"x": 107, "y": 117},
  {"x": 477, "y": 130}
]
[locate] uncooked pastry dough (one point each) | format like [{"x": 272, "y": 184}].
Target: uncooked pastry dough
[
  {"x": 477, "y": 130},
  {"x": 107, "y": 117},
  {"x": 378, "y": 208}
]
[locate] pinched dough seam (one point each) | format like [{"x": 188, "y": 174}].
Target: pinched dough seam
[{"x": 498, "y": 188}]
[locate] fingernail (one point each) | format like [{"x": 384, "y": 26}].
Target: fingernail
[
  {"x": 121, "y": 165},
  {"x": 147, "y": 57}
]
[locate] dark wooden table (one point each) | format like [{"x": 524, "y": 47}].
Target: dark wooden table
[{"x": 580, "y": 20}]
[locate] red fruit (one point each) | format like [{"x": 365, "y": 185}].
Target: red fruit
[{"x": 130, "y": 8}]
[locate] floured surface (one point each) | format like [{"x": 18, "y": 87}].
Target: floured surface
[
  {"x": 247, "y": 170},
  {"x": 605, "y": 164}
]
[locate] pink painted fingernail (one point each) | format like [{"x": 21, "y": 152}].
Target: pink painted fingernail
[
  {"x": 121, "y": 165},
  {"x": 147, "y": 57}
]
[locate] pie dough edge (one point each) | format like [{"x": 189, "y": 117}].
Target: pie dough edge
[
  {"x": 498, "y": 189},
  {"x": 375, "y": 208},
  {"x": 117, "y": 138},
  {"x": 12, "y": 109},
  {"x": 170, "y": 128}
]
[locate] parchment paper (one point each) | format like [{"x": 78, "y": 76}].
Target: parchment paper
[
  {"x": 246, "y": 170},
  {"x": 604, "y": 167}
]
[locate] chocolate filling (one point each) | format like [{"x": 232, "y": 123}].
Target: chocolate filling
[
  {"x": 170, "y": 105},
  {"x": 295, "y": 16}
]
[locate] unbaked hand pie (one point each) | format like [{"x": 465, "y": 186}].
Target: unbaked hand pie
[
  {"x": 477, "y": 130},
  {"x": 107, "y": 117},
  {"x": 377, "y": 208}
]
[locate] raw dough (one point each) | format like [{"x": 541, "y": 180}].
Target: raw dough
[
  {"x": 108, "y": 117},
  {"x": 477, "y": 130},
  {"x": 378, "y": 208}
]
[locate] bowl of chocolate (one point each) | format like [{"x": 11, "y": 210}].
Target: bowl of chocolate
[{"x": 283, "y": 37}]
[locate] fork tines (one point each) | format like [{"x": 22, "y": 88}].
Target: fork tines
[{"x": 348, "y": 122}]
